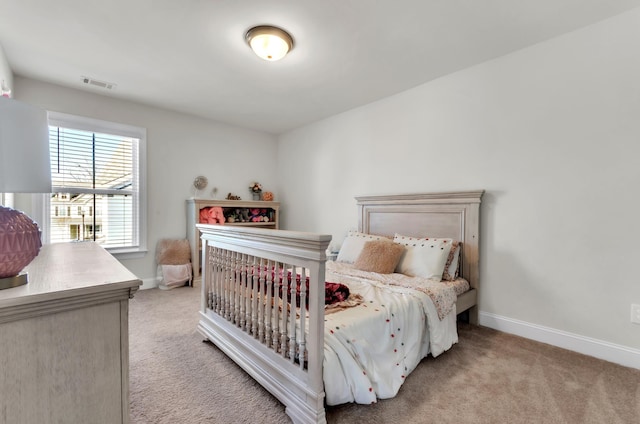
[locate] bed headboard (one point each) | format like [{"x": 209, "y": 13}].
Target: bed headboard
[{"x": 453, "y": 215}]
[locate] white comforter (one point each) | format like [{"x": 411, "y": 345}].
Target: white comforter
[{"x": 371, "y": 348}]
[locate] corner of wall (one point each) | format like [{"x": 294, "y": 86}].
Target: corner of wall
[{"x": 6, "y": 75}]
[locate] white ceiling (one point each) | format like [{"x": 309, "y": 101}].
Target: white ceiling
[{"x": 190, "y": 55}]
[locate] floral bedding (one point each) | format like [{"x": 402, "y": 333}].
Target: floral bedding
[{"x": 372, "y": 347}]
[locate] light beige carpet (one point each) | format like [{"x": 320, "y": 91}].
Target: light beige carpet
[{"x": 488, "y": 377}]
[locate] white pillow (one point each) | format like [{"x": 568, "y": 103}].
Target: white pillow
[
  {"x": 353, "y": 245},
  {"x": 424, "y": 257}
]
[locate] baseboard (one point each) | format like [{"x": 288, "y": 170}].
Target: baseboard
[
  {"x": 149, "y": 283},
  {"x": 611, "y": 352},
  {"x": 154, "y": 283}
]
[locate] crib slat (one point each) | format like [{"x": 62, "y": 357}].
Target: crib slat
[
  {"x": 302, "y": 345},
  {"x": 268, "y": 305},
  {"x": 233, "y": 287},
  {"x": 241, "y": 285},
  {"x": 227, "y": 285},
  {"x": 284, "y": 290},
  {"x": 246, "y": 294},
  {"x": 219, "y": 281},
  {"x": 215, "y": 278},
  {"x": 292, "y": 319},
  {"x": 275, "y": 320},
  {"x": 253, "y": 281}
]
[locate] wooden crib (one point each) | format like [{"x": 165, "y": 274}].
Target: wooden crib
[
  {"x": 259, "y": 310},
  {"x": 244, "y": 315}
]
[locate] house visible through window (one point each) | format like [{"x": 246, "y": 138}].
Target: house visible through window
[{"x": 97, "y": 186}]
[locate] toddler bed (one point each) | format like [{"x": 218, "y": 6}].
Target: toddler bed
[{"x": 263, "y": 304}]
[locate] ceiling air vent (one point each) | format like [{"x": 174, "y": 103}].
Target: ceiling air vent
[{"x": 96, "y": 83}]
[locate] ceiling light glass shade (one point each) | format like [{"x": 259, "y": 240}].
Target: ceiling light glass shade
[
  {"x": 24, "y": 168},
  {"x": 269, "y": 43}
]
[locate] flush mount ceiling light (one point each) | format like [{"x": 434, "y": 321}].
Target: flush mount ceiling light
[{"x": 269, "y": 42}]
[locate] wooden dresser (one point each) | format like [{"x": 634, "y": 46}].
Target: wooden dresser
[{"x": 64, "y": 339}]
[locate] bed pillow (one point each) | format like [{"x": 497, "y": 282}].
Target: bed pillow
[
  {"x": 381, "y": 256},
  {"x": 353, "y": 244},
  {"x": 452, "y": 267},
  {"x": 423, "y": 257}
]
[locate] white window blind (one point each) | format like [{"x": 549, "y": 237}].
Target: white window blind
[{"x": 96, "y": 187}]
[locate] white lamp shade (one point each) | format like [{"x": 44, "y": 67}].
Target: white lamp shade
[{"x": 24, "y": 148}]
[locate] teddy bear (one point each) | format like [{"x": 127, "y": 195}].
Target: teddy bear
[{"x": 211, "y": 215}]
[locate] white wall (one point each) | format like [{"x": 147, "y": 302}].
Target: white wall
[
  {"x": 179, "y": 148},
  {"x": 551, "y": 133}
]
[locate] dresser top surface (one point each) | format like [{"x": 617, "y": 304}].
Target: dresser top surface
[{"x": 66, "y": 269}]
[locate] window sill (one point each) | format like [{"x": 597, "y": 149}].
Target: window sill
[{"x": 124, "y": 253}]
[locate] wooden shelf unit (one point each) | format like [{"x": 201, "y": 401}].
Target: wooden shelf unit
[{"x": 193, "y": 215}]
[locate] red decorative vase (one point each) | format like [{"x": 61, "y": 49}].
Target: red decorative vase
[{"x": 19, "y": 241}]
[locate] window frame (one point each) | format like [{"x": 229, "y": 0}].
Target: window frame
[{"x": 59, "y": 119}]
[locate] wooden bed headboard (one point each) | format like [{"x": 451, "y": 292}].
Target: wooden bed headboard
[{"x": 453, "y": 215}]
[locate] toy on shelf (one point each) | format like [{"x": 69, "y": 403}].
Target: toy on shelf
[
  {"x": 256, "y": 189},
  {"x": 211, "y": 215},
  {"x": 258, "y": 215}
]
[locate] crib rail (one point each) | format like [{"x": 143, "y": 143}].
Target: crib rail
[
  {"x": 263, "y": 298},
  {"x": 263, "y": 305}
]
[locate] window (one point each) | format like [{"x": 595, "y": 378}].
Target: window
[{"x": 97, "y": 172}]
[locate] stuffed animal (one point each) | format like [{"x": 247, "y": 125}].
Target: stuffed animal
[
  {"x": 254, "y": 215},
  {"x": 204, "y": 216},
  {"x": 216, "y": 215},
  {"x": 211, "y": 215}
]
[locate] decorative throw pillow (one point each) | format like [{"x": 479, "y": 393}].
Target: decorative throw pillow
[
  {"x": 424, "y": 257},
  {"x": 173, "y": 252},
  {"x": 381, "y": 256},
  {"x": 353, "y": 244},
  {"x": 452, "y": 267}
]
